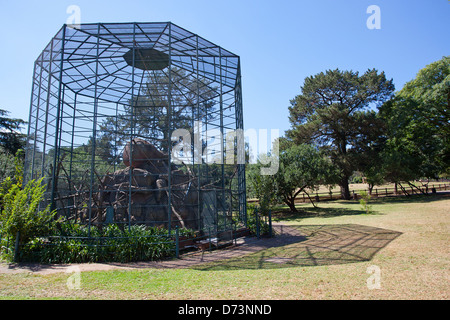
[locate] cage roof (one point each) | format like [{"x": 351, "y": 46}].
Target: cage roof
[{"x": 112, "y": 60}]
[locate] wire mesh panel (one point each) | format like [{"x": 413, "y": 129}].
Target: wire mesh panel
[{"x": 128, "y": 124}]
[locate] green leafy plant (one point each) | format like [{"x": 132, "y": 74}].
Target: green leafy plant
[
  {"x": 364, "y": 201},
  {"x": 253, "y": 220},
  {"x": 76, "y": 244},
  {"x": 21, "y": 212}
]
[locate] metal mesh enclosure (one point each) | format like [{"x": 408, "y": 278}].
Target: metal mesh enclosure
[{"x": 128, "y": 124}]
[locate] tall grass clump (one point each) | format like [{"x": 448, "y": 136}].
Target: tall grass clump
[{"x": 364, "y": 202}]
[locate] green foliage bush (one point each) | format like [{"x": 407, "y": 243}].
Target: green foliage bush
[
  {"x": 364, "y": 201},
  {"x": 261, "y": 186},
  {"x": 72, "y": 244},
  {"x": 21, "y": 214},
  {"x": 6, "y": 164},
  {"x": 252, "y": 221}
]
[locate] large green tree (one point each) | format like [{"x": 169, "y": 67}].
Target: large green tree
[
  {"x": 301, "y": 167},
  {"x": 418, "y": 126},
  {"x": 10, "y": 137},
  {"x": 333, "y": 112}
]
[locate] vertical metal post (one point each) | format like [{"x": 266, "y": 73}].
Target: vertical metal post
[
  {"x": 73, "y": 135},
  {"x": 57, "y": 124},
  {"x": 257, "y": 223},
  {"x": 115, "y": 136},
  {"x": 177, "y": 242},
  {"x": 94, "y": 133},
  {"x": 222, "y": 142},
  {"x": 241, "y": 166},
  {"x": 270, "y": 223},
  {"x": 16, "y": 247},
  {"x": 32, "y": 175},
  {"x": 199, "y": 205},
  {"x": 47, "y": 105},
  {"x": 234, "y": 235},
  {"x": 27, "y": 154},
  {"x": 169, "y": 132},
  {"x": 210, "y": 244},
  {"x": 130, "y": 172}
]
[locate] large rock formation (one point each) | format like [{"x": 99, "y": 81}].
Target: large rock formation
[
  {"x": 142, "y": 153},
  {"x": 152, "y": 191}
]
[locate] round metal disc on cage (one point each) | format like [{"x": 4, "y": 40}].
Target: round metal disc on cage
[{"x": 147, "y": 59}]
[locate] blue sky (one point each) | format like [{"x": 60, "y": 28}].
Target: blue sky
[{"x": 280, "y": 42}]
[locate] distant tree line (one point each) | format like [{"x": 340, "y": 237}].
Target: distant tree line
[
  {"x": 11, "y": 142},
  {"x": 344, "y": 122}
]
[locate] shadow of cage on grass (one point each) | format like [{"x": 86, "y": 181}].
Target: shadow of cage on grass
[{"x": 319, "y": 245}]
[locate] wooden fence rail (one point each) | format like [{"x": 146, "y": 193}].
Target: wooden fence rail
[{"x": 376, "y": 192}]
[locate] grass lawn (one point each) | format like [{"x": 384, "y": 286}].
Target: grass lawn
[{"x": 414, "y": 264}]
